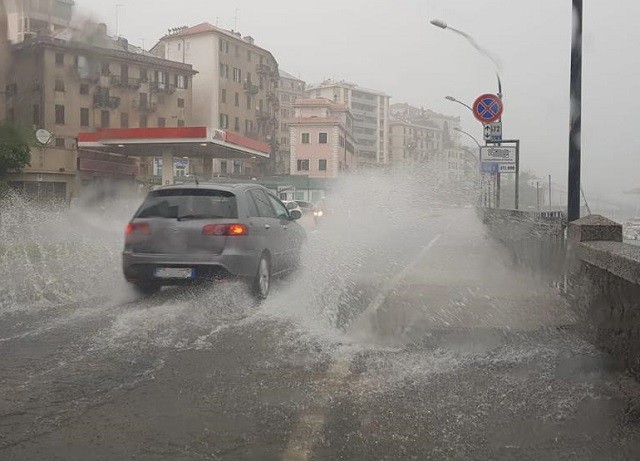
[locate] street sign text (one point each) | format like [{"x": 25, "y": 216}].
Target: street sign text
[{"x": 500, "y": 154}]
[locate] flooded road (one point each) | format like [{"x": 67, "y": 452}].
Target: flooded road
[{"x": 406, "y": 335}]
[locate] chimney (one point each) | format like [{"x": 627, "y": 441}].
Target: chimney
[{"x": 249, "y": 40}]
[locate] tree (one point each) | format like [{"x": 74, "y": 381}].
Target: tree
[{"x": 15, "y": 151}]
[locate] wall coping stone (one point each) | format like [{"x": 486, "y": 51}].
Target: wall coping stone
[
  {"x": 594, "y": 228},
  {"x": 620, "y": 259}
]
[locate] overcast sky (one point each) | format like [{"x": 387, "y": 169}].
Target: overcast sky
[{"x": 389, "y": 45}]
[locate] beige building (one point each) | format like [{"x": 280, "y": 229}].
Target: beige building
[
  {"x": 83, "y": 81},
  {"x": 370, "y": 110},
  {"x": 427, "y": 137},
  {"x": 290, "y": 89},
  {"x": 235, "y": 89},
  {"x": 321, "y": 140},
  {"x": 28, "y": 18}
]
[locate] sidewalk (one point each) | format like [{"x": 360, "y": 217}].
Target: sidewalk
[{"x": 464, "y": 280}]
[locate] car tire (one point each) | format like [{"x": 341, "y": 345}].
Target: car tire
[
  {"x": 261, "y": 283},
  {"x": 146, "y": 288}
]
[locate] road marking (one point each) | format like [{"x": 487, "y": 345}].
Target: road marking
[{"x": 306, "y": 432}]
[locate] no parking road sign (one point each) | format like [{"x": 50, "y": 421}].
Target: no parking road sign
[{"x": 488, "y": 108}]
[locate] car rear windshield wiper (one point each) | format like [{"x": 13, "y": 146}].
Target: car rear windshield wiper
[{"x": 198, "y": 216}]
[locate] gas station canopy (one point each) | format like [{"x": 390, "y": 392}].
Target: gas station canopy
[{"x": 183, "y": 141}]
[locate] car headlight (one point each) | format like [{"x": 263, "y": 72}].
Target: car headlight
[{"x": 317, "y": 213}]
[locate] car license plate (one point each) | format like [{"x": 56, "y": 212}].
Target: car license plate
[{"x": 175, "y": 273}]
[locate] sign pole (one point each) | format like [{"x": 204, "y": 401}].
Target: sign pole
[
  {"x": 517, "y": 174},
  {"x": 498, "y": 190},
  {"x": 573, "y": 201}
]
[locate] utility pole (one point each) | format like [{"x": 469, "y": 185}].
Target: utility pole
[
  {"x": 550, "y": 206},
  {"x": 573, "y": 196}
]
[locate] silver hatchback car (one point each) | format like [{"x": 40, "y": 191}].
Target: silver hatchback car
[{"x": 185, "y": 233}]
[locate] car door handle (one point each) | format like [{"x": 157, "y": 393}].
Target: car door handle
[{"x": 267, "y": 226}]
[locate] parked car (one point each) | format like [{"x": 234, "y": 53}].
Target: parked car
[
  {"x": 292, "y": 205},
  {"x": 185, "y": 233},
  {"x": 306, "y": 207}
]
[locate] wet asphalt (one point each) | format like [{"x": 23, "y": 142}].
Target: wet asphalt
[{"x": 422, "y": 342}]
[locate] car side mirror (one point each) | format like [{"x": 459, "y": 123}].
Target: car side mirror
[{"x": 295, "y": 215}]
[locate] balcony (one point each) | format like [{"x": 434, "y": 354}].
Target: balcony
[
  {"x": 104, "y": 101},
  {"x": 118, "y": 81},
  {"x": 144, "y": 106},
  {"x": 262, "y": 115},
  {"x": 250, "y": 88},
  {"x": 263, "y": 69},
  {"x": 161, "y": 87}
]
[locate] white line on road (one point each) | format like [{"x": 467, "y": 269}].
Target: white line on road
[{"x": 310, "y": 424}]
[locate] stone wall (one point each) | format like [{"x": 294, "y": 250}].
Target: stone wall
[
  {"x": 605, "y": 287},
  {"x": 599, "y": 274}
]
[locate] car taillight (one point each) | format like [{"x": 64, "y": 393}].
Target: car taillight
[
  {"x": 141, "y": 227},
  {"x": 225, "y": 229}
]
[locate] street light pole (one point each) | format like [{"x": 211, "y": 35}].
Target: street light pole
[
  {"x": 443, "y": 25},
  {"x": 573, "y": 198},
  {"x": 452, "y": 99}
]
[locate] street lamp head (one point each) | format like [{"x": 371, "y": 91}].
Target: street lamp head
[
  {"x": 439, "y": 23},
  {"x": 450, "y": 98}
]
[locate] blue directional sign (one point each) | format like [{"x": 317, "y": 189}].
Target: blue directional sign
[
  {"x": 488, "y": 108},
  {"x": 489, "y": 167}
]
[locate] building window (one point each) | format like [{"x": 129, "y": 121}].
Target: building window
[
  {"x": 59, "y": 59},
  {"x": 144, "y": 75},
  {"x": 60, "y": 143},
  {"x": 249, "y": 55},
  {"x": 237, "y": 50},
  {"x": 84, "y": 116},
  {"x": 105, "y": 119},
  {"x": 183, "y": 82},
  {"x": 142, "y": 122},
  {"x": 162, "y": 122},
  {"x": 180, "y": 123},
  {"x": 59, "y": 85},
  {"x": 105, "y": 72},
  {"x": 303, "y": 165},
  {"x": 124, "y": 120},
  {"x": 223, "y": 167},
  {"x": 36, "y": 115},
  {"x": 84, "y": 88},
  {"x": 248, "y": 126},
  {"x": 237, "y": 99},
  {"x": 248, "y": 102},
  {"x": 59, "y": 115},
  {"x": 180, "y": 103},
  {"x": 223, "y": 96},
  {"x": 236, "y": 125},
  {"x": 237, "y": 75},
  {"x": 224, "y": 121},
  {"x": 322, "y": 164},
  {"x": 305, "y": 138},
  {"x": 322, "y": 138}
]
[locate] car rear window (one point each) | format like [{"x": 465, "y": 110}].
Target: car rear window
[{"x": 189, "y": 204}]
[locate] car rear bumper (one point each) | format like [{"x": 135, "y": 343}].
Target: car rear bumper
[{"x": 140, "y": 267}]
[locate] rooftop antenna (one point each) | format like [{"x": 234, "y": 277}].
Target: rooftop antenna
[
  {"x": 118, "y": 6},
  {"x": 217, "y": 21},
  {"x": 235, "y": 20}
]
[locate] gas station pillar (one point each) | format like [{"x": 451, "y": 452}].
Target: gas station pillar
[{"x": 167, "y": 167}]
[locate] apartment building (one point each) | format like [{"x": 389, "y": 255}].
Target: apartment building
[
  {"x": 414, "y": 141},
  {"x": 28, "y": 18},
  {"x": 83, "y": 81},
  {"x": 321, "y": 140},
  {"x": 422, "y": 136},
  {"x": 235, "y": 89},
  {"x": 290, "y": 88},
  {"x": 370, "y": 110}
]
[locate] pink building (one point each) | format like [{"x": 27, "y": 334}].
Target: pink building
[{"x": 321, "y": 141}]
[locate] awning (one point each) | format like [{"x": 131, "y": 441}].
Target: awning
[{"x": 183, "y": 141}]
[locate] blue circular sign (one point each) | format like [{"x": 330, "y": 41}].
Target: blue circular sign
[{"x": 488, "y": 108}]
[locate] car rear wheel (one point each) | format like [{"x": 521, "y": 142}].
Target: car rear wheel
[
  {"x": 262, "y": 280},
  {"x": 146, "y": 288}
]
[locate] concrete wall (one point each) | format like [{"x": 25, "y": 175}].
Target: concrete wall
[{"x": 599, "y": 274}]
